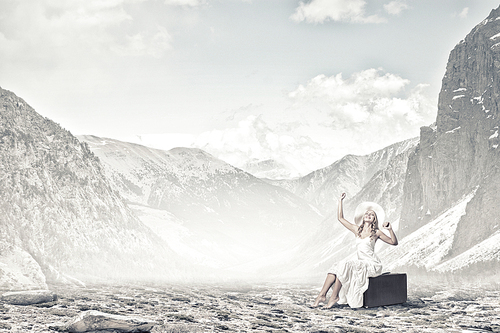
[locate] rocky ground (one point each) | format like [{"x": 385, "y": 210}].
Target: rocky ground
[{"x": 261, "y": 308}]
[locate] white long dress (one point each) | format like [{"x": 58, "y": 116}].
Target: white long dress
[{"x": 354, "y": 274}]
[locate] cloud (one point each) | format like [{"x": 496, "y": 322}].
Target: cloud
[
  {"x": 143, "y": 44},
  {"x": 348, "y": 102},
  {"x": 370, "y": 107},
  {"x": 48, "y": 32},
  {"x": 464, "y": 13},
  {"x": 328, "y": 118},
  {"x": 356, "y": 99},
  {"x": 256, "y": 139},
  {"x": 189, "y": 3},
  {"x": 395, "y": 7},
  {"x": 319, "y": 11}
]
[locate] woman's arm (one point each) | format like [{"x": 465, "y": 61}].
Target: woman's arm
[
  {"x": 393, "y": 240},
  {"x": 340, "y": 215}
]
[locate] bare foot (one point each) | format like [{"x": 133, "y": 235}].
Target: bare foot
[
  {"x": 319, "y": 299},
  {"x": 331, "y": 302}
]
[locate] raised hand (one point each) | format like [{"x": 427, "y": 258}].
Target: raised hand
[
  {"x": 342, "y": 196},
  {"x": 387, "y": 225}
]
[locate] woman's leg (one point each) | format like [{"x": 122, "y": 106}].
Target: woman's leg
[
  {"x": 335, "y": 294},
  {"x": 330, "y": 280}
]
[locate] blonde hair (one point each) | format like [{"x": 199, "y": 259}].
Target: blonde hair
[{"x": 373, "y": 225}]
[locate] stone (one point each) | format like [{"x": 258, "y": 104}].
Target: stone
[
  {"x": 290, "y": 314},
  {"x": 29, "y": 297},
  {"x": 95, "y": 320}
]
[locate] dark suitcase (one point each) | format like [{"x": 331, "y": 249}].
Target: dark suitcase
[{"x": 386, "y": 289}]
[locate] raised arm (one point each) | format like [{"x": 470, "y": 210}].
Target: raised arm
[
  {"x": 340, "y": 215},
  {"x": 393, "y": 240}
]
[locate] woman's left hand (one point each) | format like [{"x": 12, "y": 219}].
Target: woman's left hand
[{"x": 387, "y": 225}]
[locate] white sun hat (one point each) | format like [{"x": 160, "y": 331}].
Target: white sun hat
[{"x": 363, "y": 207}]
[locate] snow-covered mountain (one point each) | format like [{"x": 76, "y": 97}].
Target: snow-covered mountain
[
  {"x": 446, "y": 193},
  {"x": 106, "y": 208},
  {"x": 267, "y": 169},
  {"x": 377, "y": 177},
  {"x": 350, "y": 174},
  {"x": 222, "y": 216},
  {"x": 427, "y": 247},
  {"x": 460, "y": 154},
  {"x": 58, "y": 213},
  {"x": 428, "y": 250}
]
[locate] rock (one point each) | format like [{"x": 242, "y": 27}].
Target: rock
[
  {"x": 460, "y": 154},
  {"x": 245, "y": 314},
  {"x": 5, "y": 326},
  {"x": 95, "y": 320},
  {"x": 29, "y": 297}
]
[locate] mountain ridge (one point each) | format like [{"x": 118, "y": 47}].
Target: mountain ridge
[
  {"x": 58, "y": 207},
  {"x": 213, "y": 205}
]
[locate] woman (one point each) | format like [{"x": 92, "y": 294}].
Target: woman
[{"x": 350, "y": 278}]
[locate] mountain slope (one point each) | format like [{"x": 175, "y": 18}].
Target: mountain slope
[
  {"x": 226, "y": 213},
  {"x": 57, "y": 205},
  {"x": 349, "y": 174},
  {"x": 428, "y": 246},
  {"x": 331, "y": 241},
  {"x": 460, "y": 153}
]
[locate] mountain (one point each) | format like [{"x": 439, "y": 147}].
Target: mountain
[
  {"x": 350, "y": 175},
  {"x": 222, "y": 215},
  {"x": 270, "y": 169},
  {"x": 441, "y": 193},
  {"x": 448, "y": 219},
  {"x": 460, "y": 155},
  {"x": 377, "y": 177},
  {"x": 426, "y": 248},
  {"x": 59, "y": 212}
]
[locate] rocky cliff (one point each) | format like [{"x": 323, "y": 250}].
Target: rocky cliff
[
  {"x": 459, "y": 155},
  {"x": 57, "y": 206}
]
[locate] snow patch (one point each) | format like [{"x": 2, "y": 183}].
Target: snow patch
[
  {"x": 495, "y": 46},
  {"x": 494, "y": 135},
  {"x": 427, "y": 246},
  {"x": 454, "y": 130},
  {"x": 458, "y": 96},
  {"x": 460, "y": 89},
  {"x": 487, "y": 250},
  {"x": 495, "y": 36},
  {"x": 479, "y": 99}
]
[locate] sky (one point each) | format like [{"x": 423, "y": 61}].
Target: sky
[{"x": 300, "y": 82}]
